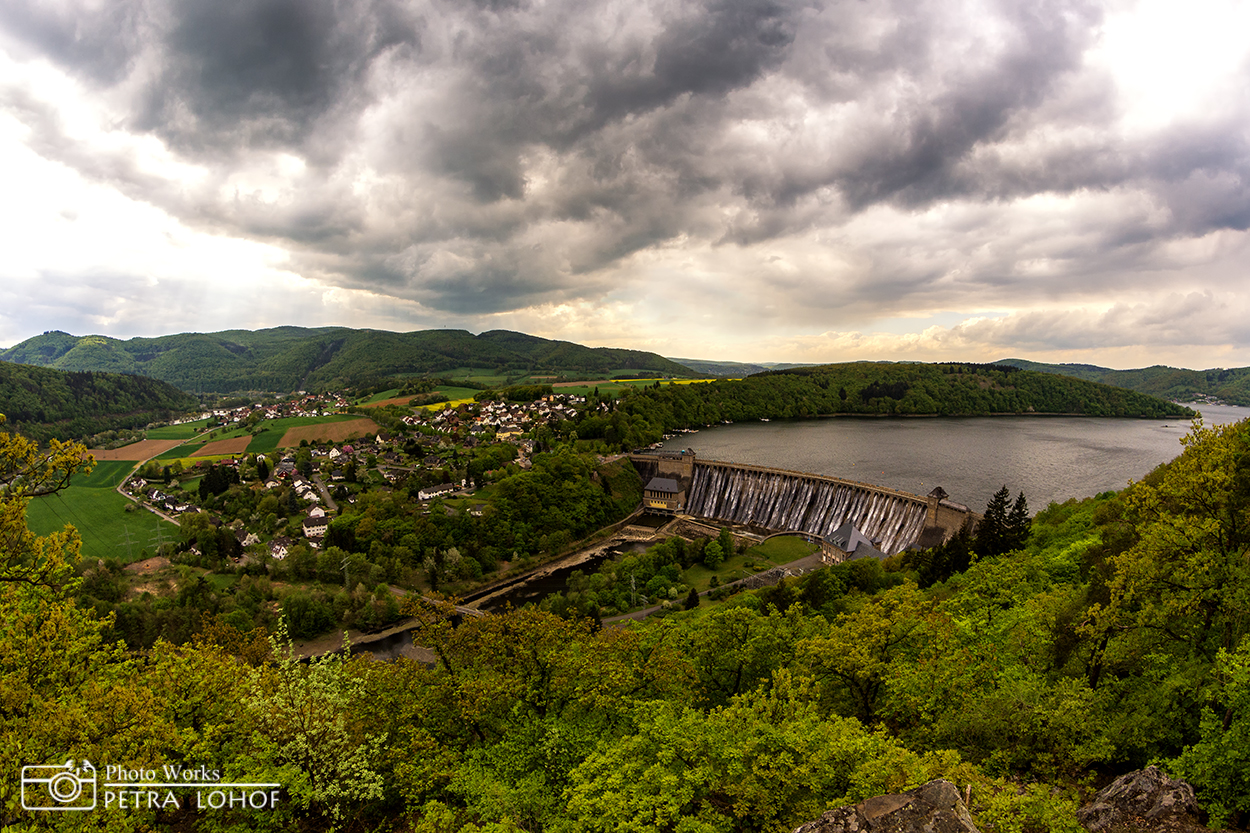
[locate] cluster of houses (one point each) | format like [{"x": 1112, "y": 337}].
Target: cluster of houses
[
  {"x": 442, "y": 429},
  {"x": 301, "y": 405},
  {"x": 507, "y": 420},
  {"x": 140, "y": 489}
]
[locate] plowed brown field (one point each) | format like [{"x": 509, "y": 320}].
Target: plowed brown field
[
  {"x": 136, "y": 451},
  {"x": 215, "y": 449},
  {"x": 329, "y": 432}
]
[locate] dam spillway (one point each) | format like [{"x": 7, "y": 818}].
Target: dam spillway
[{"x": 787, "y": 501}]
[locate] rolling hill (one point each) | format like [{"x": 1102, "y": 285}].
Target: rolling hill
[
  {"x": 892, "y": 389},
  {"x": 1231, "y": 385},
  {"x": 44, "y": 404},
  {"x": 291, "y": 358}
]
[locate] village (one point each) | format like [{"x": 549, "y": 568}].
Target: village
[{"x": 432, "y": 453}]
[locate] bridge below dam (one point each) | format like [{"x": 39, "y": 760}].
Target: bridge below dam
[{"x": 790, "y": 501}]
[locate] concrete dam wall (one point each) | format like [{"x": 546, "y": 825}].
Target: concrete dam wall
[
  {"x": 787, "y": 501},
  {"x": 805, "y": 503}
]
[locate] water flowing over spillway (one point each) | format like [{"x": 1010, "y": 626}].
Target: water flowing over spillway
[{"x": 789, "y": 501}]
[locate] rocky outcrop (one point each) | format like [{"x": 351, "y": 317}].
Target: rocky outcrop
[
  {"x": 934, "y": 807},
  {"x": 1143, "y": 800}
]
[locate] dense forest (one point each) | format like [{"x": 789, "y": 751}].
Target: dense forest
[
  {"x": 1231, "y": 385},
  {"x": 46, "y": 404},
  {"x": 284, "y": 359},
  {"x": 883, "y": 389},
  {"x": 1111, "y": 634}
]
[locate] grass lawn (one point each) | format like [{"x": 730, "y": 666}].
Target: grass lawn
[
  {"x": 221, "y": 581},
  {"x": 771, "y": 553},
  {"x": 700, "y": 577},
  {"x": 782, "y": 550}
]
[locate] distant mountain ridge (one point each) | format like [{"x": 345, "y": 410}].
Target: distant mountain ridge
[
  {"x": 1230, "y": 385},
  {"x": 43, "y": 403},
  {"x": 709, "y": 367},
  {"x": 291, "y": 358}
]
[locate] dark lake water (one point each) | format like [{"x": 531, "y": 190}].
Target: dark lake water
[{"x": 1048, "y": 458}]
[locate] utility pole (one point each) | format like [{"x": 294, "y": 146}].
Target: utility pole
[
  {"x": 130, "y": 551},
  {"x": 159, "y": 537}
]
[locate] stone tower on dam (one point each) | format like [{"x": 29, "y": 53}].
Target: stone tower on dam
[{"x": 788, "y": 501}]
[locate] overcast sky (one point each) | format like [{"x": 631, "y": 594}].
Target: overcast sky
[{"x": 752, "y": 180}]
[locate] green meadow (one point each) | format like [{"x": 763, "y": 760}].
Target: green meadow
[
  {"x": 457, "y": 393},
  {"x": 382, "y": 396},
  {"x": 98, "y": 512},
  {"x": 177, "y": 432}
]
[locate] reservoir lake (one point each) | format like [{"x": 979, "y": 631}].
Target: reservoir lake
[{"x": 1049, "y": 458}]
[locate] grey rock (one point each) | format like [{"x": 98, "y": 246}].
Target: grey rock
[
  {"x": 935, "y": 807},
  {"x": 1143, "y": 800}
]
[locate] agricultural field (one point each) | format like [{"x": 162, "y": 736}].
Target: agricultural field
[
  {"x": 135, "y": 452},
  {"x": 438, "y": 406},
  {"x": 455, "y": 395},
  {"x": 274, "y": 432},
  {"x": 193, "y": 446},
  {"x": 273, "y": 435},
  {"x": 99, "y": 514},
  {"x": 323, "y": 431},
  {"x": 224, "y": 448}
]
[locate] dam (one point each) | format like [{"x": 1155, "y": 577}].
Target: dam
[{"x": 787, "y": 501}]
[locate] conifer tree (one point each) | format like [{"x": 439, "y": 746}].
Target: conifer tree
[
  {"x": 992, "y": 531},
  {"x": 692, "y": 600},
  {"x": 1018, "y": 524}
]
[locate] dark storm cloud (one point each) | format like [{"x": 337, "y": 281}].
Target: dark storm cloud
[
  {"x": 248, "y": 72},
  {"x": 97, "y": 42},
  {"x": 488, "y": 156},
  {"x": 930, "y": 137}
]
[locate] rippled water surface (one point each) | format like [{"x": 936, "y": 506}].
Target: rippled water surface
[{"x": 1048, "y": 458}]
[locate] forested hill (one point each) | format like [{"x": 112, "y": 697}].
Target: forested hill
[
  {"x": 48, "y": 404},
  {"x": 290, "y": 358},
  {"x": 892, "y": 389},
  {"x": 1231, "y": 385}
]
